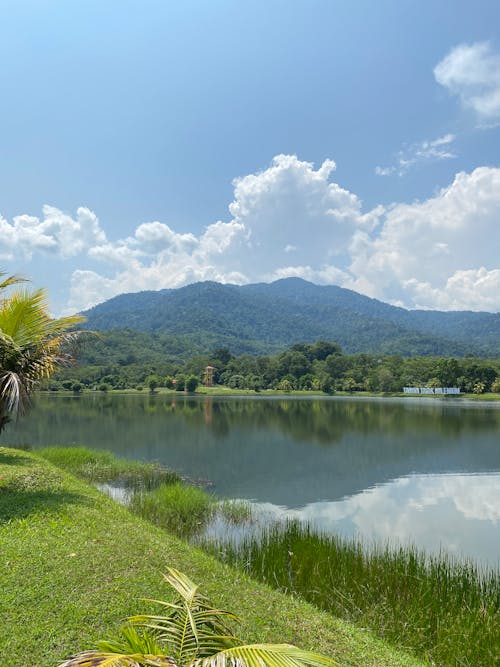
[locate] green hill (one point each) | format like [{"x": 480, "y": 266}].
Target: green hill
[{"x": 264, "y": 318}]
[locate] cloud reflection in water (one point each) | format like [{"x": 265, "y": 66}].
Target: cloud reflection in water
[{"x": 456, "y": 513}]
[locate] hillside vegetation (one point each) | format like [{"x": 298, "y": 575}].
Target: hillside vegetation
[{"x": 265, "y": 318}]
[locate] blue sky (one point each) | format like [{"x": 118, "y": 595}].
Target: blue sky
[{"x": 124, "y": 124}]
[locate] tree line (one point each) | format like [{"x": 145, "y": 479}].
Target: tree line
[{"x": 319, "y": 366}]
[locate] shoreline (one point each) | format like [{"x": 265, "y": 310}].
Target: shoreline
[{"x": 226, "y": 392}]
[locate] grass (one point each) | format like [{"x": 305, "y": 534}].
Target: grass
[
  {"x": 235, "y": 511},
  {"x": 442, "y": 610},
  {"x": 103, "y": 466},
  {"x": 158, "y": 493},
  {"x": 179, "y": 508},
  {"x": 74, "y": 563}
]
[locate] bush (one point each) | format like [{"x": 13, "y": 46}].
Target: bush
[
  {"x": 180, "y": 385},
  {"x": 191, "y": 383},
  {"x": 179, "y": 508}
]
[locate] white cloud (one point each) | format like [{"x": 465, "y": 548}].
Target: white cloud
[
  {"x": 56, "y": 233},
  {"x": 442, "y": 511},
  {"x": 290, "y": 208},
  {"x": 156, "y": 258},
  {"x": 421, "y": 152},
  {"x": 472, "y": 71},
  {"x": 292, "y": 220},
  {"x": 429, "y": 254}
]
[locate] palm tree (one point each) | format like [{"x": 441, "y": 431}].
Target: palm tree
[
  {"x": 32, "y": 345},
  {"x": 191, "y": 634}
]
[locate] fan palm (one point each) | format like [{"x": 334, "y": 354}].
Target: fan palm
[
  {"x": 31, "y": 345},
  {"x": 190, "y": 633}
]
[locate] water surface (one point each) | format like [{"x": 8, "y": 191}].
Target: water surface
[{"x": 425, "y": 471}]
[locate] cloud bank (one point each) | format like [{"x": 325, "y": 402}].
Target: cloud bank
[{"x": 291, "y": 219}]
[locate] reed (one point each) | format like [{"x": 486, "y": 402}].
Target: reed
[
  {"x": 445, "y": 611},
  {"x": 103, "y": 466},
  {"x": 179, "y": 508}
]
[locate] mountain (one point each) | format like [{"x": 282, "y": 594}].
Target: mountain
[{"x": 266, "y": 317}]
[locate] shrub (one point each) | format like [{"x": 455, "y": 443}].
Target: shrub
[
  {"x": 191, "y": 383},
  {"x": 179, "y": 508}
]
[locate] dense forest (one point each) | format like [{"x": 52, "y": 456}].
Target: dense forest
[
  {"x": 266, "y": 318},
  {"x": 319, "y": 366}
]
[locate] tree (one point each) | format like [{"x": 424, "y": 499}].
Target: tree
[
  {"x": 191, "y": 383},
  {"x": 32, "y": 345},
  {"x": 191, "y": 634},
  {"x": 153, "y": 382}
]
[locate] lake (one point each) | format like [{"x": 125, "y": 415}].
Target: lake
[{"x": 425, "y": 471}]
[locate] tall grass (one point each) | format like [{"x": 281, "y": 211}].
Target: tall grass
[
  {"x": 103, "y": 466},
  {"x": 444, "y": 611},
  {"x": 179, "y": 508}
]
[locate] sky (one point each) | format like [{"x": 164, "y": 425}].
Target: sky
[{"x": 149, "y": 144}]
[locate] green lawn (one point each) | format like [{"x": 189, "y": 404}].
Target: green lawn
[{"x": 73, "y": 563}]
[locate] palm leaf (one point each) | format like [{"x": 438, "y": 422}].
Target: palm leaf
[
  {"x": 31, "y": 345},
  {"x": 10, "y": 280},
  {"x": 104, "y": 659},
  {"x": 265, "y": 655},
  {"x": 191, "y": 627}
]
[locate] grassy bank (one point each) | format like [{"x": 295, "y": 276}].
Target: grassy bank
[
  {"x": 103, "y": 466},
  {"x": 74, "y": 563},
  {"x": 442, "y": 610}
]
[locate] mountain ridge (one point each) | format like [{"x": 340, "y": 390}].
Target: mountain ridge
[{"x": 266, "y": 317}]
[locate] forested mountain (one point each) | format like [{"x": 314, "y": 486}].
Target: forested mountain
[{"x": 263, "y": 318}]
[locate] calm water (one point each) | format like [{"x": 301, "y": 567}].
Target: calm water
[{"x": 419, "y": 470}]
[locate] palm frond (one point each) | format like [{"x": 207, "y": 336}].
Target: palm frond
[
  {"x": 13, "y": 392},
  {"x": 32, "y": 345},
  {"x": 265, "y": 655},
  {"x": 10, "y": 280},
  {"x": 131, "y": 642},
  {"x": 105, "y": 659},
  {"x": 191, "y": 627}
]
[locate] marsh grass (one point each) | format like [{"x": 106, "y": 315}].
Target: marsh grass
[
  {"x": 179, "y": 508},
  {"x": 102, "y": 466},
  {"x": 235, "y": 512},
  {"x": 445, "y": 611}
]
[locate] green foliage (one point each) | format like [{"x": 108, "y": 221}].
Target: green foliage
[
  {"x": 445, "y": 611},
  {"x": 190, "y": 633},
  {"x": 32, "y": 345},
  {"x": 75, "y": 563},
  {"x": 235, "y": 511},
  {"x": 192, "y": 383},
  {"x": 264, "y": 319},
  {"x": 351, "y": 373},
  {"x": 179, "y": 508},
  {"x": 153, "y": 382},
  {"x": 103, "y": 466}
]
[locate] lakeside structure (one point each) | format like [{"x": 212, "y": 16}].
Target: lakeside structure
[{"x": 453, "y": 391}]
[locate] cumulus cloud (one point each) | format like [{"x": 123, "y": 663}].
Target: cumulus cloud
[
  {"x": 156, "y": 258},
  {"x": 472, "y": 72},
  {"x": 289, "y": 210},
  {"x": 57, "y": 233},
  {"x": 291, "y": 219},
  {"x": 417, "y": 153},
  {"x": 442, "y": 252}
]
